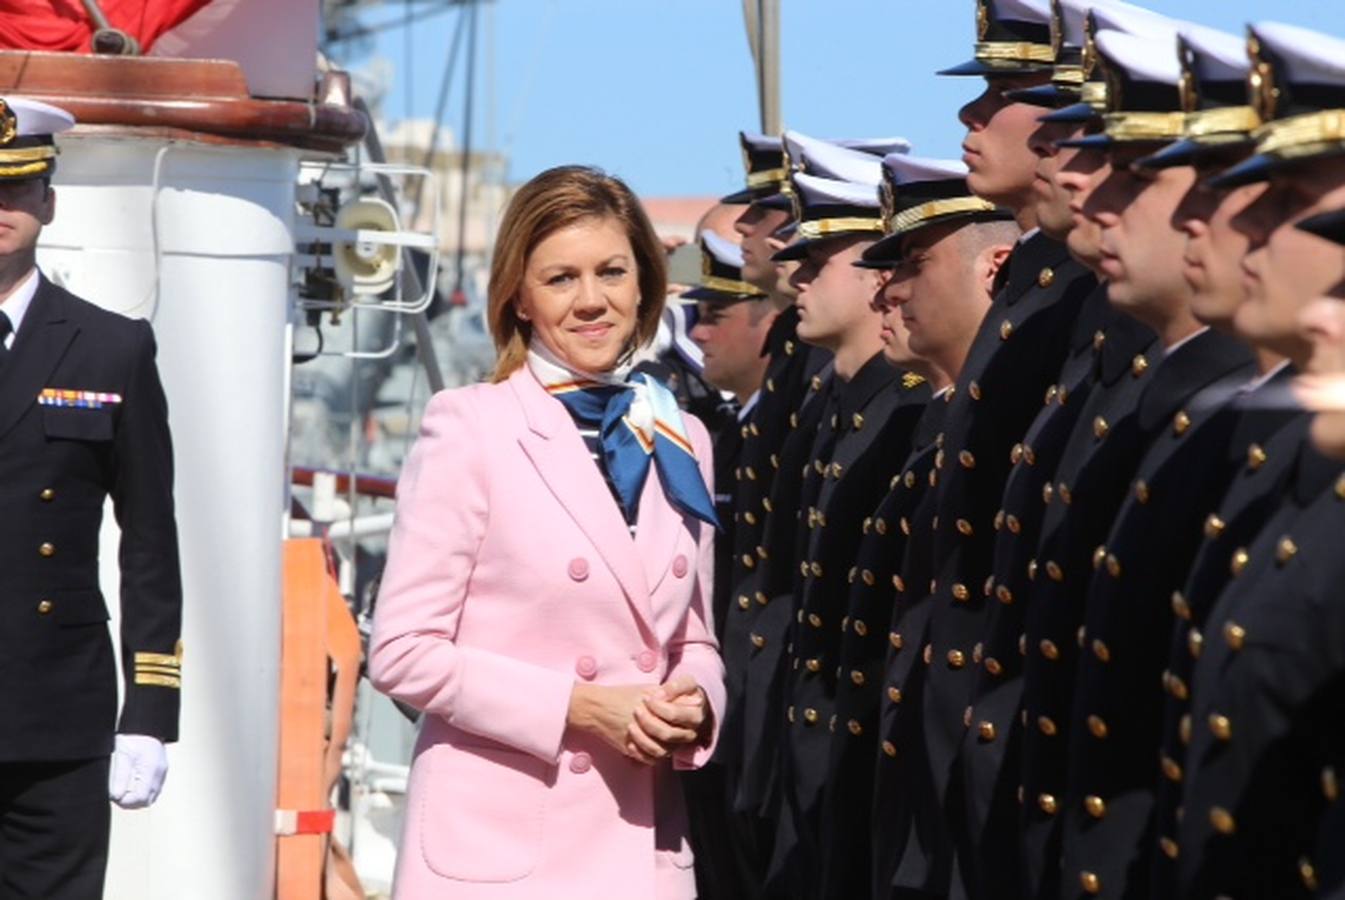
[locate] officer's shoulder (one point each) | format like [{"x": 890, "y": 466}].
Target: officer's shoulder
[{"x": 108, "y": 325}]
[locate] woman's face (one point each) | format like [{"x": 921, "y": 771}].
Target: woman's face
[{"x": 581, "y": 292}]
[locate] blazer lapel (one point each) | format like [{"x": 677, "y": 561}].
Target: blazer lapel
[
  {"x": 41, "y": 342},
  {"x": 656, "y": 530},
  {"x": 556, "y": 450}
]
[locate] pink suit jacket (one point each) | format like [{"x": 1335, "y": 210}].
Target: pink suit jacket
[{"x": 511, "y": 575}]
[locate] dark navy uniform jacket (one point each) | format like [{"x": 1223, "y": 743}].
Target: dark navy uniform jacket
[
  {"x": 1018, "y": 351},
  {"x": 1267, "y": 700},
  {"x": 1117, "y": 718},
  {"x": 83, "y": 418}
]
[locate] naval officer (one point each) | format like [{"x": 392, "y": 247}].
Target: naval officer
[{"x": 82, "y": 418}]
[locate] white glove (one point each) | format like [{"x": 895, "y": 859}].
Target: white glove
[{"x": 139, "y": 765}]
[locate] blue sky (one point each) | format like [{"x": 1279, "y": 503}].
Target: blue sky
[{"x": 656, "y": 90}]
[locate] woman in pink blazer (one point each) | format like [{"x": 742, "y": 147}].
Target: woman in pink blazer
[{"x": 547, "y": 593}]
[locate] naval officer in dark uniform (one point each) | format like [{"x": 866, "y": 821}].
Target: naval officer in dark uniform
[
  {"x": 82, "y": 418},
  {"x": 1259, "y": 772},
  {"x": 863, "y": 435},
  {"x": 944, "y": 248},
  {"x": 1017, "y": 354}
]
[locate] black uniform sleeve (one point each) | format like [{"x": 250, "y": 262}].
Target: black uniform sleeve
[{"x": 151, "y": 581}]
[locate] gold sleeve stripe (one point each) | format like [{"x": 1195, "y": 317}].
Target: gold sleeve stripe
[
  {"x": 168, "y": 681},
  {"x": 157, "y": 659},
  {"x": 162, "y": 670}
]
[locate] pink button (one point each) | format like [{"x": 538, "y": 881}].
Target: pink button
[
  {"x": 580, "y": 763},
  {"x": 578, "y": 568},
  {"x": 586, "y": 666},
  {"x": 646, "y": 661},
  {"x": 680, "y": 566}
]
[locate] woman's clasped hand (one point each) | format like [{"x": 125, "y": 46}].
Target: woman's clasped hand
[{"x": 645, "y": 722}]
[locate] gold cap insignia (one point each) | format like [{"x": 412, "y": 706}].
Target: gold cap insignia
[
  {"x": 1262, "y": 93},
  {"x": 1089, "y": 46},
  {"x": 982, "y": 19},
  {"x": 1057, "y": 28},
  {"x": 9, "y": 124}
]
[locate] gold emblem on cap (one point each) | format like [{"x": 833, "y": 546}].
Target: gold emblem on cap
[
  {"x": 1188, "y": 87},
  {"x": 887, "y": 200},
  {"x": 982, "y": 19},
  {"x": 1261, "y": 90},
  {"x": 9, "y": 124},
  {"x": 1057, "y": 28},
  {"x": 1090, "y": 57}
]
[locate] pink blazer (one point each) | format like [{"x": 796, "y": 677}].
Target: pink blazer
[{"x": 511, "y": 575}]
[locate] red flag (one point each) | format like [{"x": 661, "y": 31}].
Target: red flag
[{"x": 64, "y": 25}]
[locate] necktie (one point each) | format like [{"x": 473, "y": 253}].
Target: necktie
[{"x": 6, "y": 328}]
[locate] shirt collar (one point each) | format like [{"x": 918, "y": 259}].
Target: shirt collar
[
  {"x": 15, "y": 306},
  {"x": 1186, "y": 340},
  {"x": 750, "y": 405}
]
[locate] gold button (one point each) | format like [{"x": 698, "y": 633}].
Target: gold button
[
  {"x": 751, "y": 473},
  {"x": 857, "y": 676},
  {"x": 964, "y": 527},
  {"x": 1194, "y": 642},
  {"x": 1051, "y": 393},
  {"x": 960, "y": 593},
  {"x": 1099, "y": 557},
  {"x": 744, "y": 602},
  {"x": 867, "y": 577},
  {"x": 1330, "y": 784},
  {"x": 956, "y": 659},
  {"x": 1222, "y": 820},
  {"x": 789, "y": 714},
  {"x": 762, "y": 552},
  {"x": 789, "y": 348},
  {"x": 1256, "y": 457},
  {"x": 854, "y": 726},
  {"x": 1015, "y": 526},
  {"x": 894, "y": 638},
  {"x": 813, "y": 665},
  {"x": 816, "y": 383},
  {"x": 899, "y": 583},
  {"x": 1053, "y": 570},
  {"x": 1101, "y": 651},
  {"x": 1005, "y": 330},
  {"x": 1090, "y": 883},
  {"x": 993, "y": 666},
  {"x": 966, "y": 459},
  {"x": 1099, "y": 338},
  {"x": 45, "y": 606},
  {"x": 758, "y": 641},
  {"x": 1022, "y": 645},
  {"x": 890, "y": 749},
  {"x": 1100, "y": 428},
  {"x": 810, "y": 716},
  {"x": 1113, "y": 566},
  {"x": 748, "y": 561},
  {"x": 1142, "y": 491},
  {"x": 47, "y": 495},
  {"x": 1046, "y": 726},
  {"x": 1180, "y": 423},
  {"x": 857, "y": 420},
  {"x": 1047, "y": 804},
  {"x": 814, "y": 620},
  {"x": 1047, "y": 492},
  {"x": 1240, "y": 560},
  {"x": 1235, "y": 635},
  {"x": 909, "y": 479},
  {"x": 1095, "y": 806},
  {"x": 1180, "y": 608},
  {"x": 1138, "y": 365},
  {"x": 1220, "y": 726},
  {"x": 1307, "y": 873},
  {"x": 46, "y": 549},
  {"x": 1003, "y": 594},
  {"x": 1063, "y": 490},
  {"x": 1016, "y": 454},
  {"x": 861, "y": 629},
  {"x": 1285, "y": 550},
  {"x": 1172, "y": 770},
  {"x": 894, "y": 694},
  {"x": 880, "y": 526},
  {"x": 1031, "y": 570},
  {"x": 986, "y": 731},
  {"x": 1030, "y": 456},
  {"x": 974, "y": 390},
  {"x": 1097, "y": 727},
  {"x": 1214, "y": 526},
  {"x": 1178, "y": 688},
  {"x": 760, "y": 598},
  {"x": 1049, "y": 649},
  {"x": 1046, "y": 277},
  {"x": 1168, "y": 846},
  {"x": 966, "y": 717},
  {"x": 1184, "y": 729},
  {"x": 815, "y": 568},
  {"x": 750, "y": 517}
]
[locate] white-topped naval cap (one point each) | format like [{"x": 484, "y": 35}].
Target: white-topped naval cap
[
  {"x": 1118, "y": 15},
  {"x": 825, "y": 159},
  {"x": 912, "y": 169},
  {"x": 1306, "y": 56},
  {"x": 1145, "y": 57},
  {"x": 816, "y": 191},
  {"x": 34, "y": 118},
  {"x": 879, "y": 146},
  {"x": 1219, "y": 56},
  {"x": 723, "y": 249},
  {"x": 1038, "y": 11}
]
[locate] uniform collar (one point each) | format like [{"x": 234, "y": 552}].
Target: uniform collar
[
  {"x": 16, "y": 304},
  {"x": 853, "y": 395}
]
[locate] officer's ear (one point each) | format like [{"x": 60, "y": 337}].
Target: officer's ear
[
  {"x": 988, "y": 263},
  {"x": 46, "y": 211}
]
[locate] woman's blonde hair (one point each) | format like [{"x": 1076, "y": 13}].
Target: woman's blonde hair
[{"x": 556, "y": 199}]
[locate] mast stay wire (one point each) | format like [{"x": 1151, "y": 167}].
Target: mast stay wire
[{"x": 468, "y": 106}]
